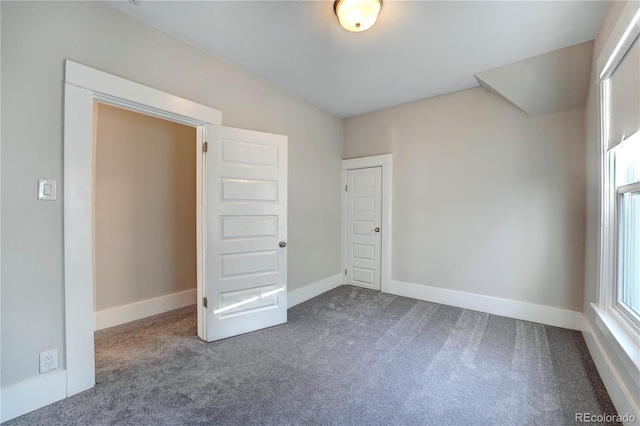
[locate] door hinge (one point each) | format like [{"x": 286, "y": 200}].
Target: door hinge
[
  {"x": 204, "y": 302},
  {"x": 345, "y": 272},
  {"x": 345, "y": 188},
  {"x": 205, "y": 147}
]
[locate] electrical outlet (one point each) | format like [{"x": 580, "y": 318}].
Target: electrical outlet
[{"x": 48, "y": 360}]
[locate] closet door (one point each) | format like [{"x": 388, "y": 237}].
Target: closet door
[{"x": 363, "y": 227}]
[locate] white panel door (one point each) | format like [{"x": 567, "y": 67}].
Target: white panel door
[
  {"x": 363, "y": 222},
  {"x": 245, "y": 278}
]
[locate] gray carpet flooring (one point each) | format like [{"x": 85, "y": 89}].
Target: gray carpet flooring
[{"x": 348, "y": 357}]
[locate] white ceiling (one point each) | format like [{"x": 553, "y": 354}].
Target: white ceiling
[{"x": 417, "y": 50}]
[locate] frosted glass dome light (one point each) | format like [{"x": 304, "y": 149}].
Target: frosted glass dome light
[{"x": 357, "y": 15}]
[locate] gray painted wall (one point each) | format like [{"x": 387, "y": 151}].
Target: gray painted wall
[
  {"x": 36, "y": 39},
  {"x": 593, "y": 198},
  {"x": 544, "y": 84},
  {"x": 486, "y": 199},
  {"x": 145, "y": 208}
]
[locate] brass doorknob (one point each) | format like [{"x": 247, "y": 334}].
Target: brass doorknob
[
  {"x": 282, "y": 244},
  {"x": 377, "y": 229}
]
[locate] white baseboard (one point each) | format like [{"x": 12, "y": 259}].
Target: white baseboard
[
  {"x": 146, "y": 308},
  {"x": 309, "y": 291},
  {"x": 493, "y": 305},
  {"x": 32, "y": 394},
  {"x": 620, "y": 396}
]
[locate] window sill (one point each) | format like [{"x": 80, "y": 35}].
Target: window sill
[{"x": 623, "y": 344}]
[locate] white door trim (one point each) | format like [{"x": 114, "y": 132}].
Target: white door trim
[
  {"x": 127, "y": 94},
  {"x": 83, "y": 86},
  {"x": 386, "y": 162}
]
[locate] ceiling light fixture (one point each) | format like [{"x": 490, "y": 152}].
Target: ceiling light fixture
[{"x": 357, "y": 15}]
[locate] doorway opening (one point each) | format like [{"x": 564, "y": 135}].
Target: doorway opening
[
  {"x": 241, "y": 216},
  {"x": 83, "y": 87},
  {"x": 144, "y": 216}
]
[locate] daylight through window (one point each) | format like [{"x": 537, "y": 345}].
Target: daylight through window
[{"x": 627, "y": 189}]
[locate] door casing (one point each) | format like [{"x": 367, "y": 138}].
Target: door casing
[
  {"x": 83, "y": 87},
  {"x": 386, "y": 162}
]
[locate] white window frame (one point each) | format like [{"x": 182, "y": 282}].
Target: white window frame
[
  {"x": 629, "y": 317},
  {"x": 622, "y": 334}
]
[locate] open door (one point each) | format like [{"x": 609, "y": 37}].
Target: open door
[{"x": 245, "y": 254}]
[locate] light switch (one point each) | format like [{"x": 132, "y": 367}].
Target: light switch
[{"x": 46, "y": 189}]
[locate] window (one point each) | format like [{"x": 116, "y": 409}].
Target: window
[
  {"x": 618, "y": 307},
  {"x": 626, "y": 158}
]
